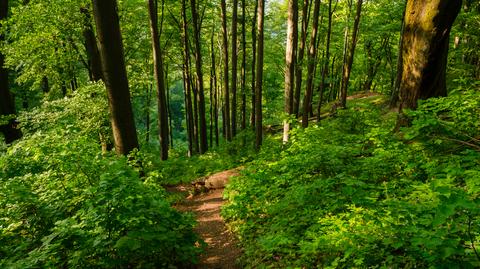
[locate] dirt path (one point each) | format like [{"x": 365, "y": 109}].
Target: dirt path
[{"x": 222, "y": 251}]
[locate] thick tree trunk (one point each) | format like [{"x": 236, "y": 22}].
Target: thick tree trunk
[
  {"x": 259, "y": 77},
  {"x": 300, "y": 56},
  {"x": 199, "y": 79},
  {"x": 115, "y": 75},
  {"x": 347, "y": 68},
  {"x": 7, "y": 104},
  {"x": 425, "y": 49},
  {"x": 243, "y": 78},
  {"x": 91, "y": 47},
  {"x": 234, "y": 68},
  {"x": 226, "y": 90},
  {"x": 312, "y": 53},
  {"x": 160, "y": 80},
  {"x": 254, "y": 59},
  {"x": 290, "y": 57}
]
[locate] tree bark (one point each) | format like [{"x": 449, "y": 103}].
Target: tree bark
[
  {"x": 425, "y": 49},
  {"x": 115, "y": 75},
  {"x": 226, "y": 91},
  {"x": 300, "y": 56},
  {"x": 160, "y": 79},
  {"x": 312, "y": 53},
  {"x": 7, "y": 104},
  {"x": 254, "y": 59},
  {"x": 199, "y": 79},
  {"x": 290, "y": 57},
  {"x": 243, "y": 78},
  {"x": 347, "y": 68},
  {"x": 259, "y": 76},
  {"x": 234, "y": 68},
  {"x": 395, "y": 96},
  {"x": 215, "y": 90},
  {"x": 91, "y": 47}
]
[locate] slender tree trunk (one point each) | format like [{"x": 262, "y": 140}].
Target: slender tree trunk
[
  {"x": 326, "y": 65},
  {"x": 91, "y": 47},
  {"x": 395, "y": 96},
  {"x": 425, "y": 50},
  {"x": 115, "y": 75},
  {"x": 244, "y": 74},
  {"x": 259, "y": 77},
  {"x": 159, "y": 79},
  {"x": 290, "y": 58},
  {"x": 147, "y": 113},
  {"x": 300, "y": 56},
  {"x": 234, "y": 67},
  {"x": 226, "y": 91},
  {"x": 312, "y": 53},
  {"x": 212, "y": 87},
  {"x": 199, "y": 78},
  {"x": 170, "y": 120},
  {"x": 254, "y": 59},
  {"x": 347, "y": 68},
  {"x": 215, "y": 90},
  {"x": 187, "y": 81}
]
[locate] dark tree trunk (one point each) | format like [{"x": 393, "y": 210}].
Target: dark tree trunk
[
  {"x": 254, "y": 59},
  {"x": 244, "y": 74},
  {"x": 199, "y": 79},
  {"x": 347, "y": 68},
  {"x": 7, "y": 104},
  {"x": 259, "y": 77},
  {"x": 290, "y": 57},
  {"x": 91, "y": 47},
  {"x": 234, "y": 68},
  {"x": 395, "y": 95},
  {"x": 160, "y": 79},
  {"x": 312, "y": 53},
  {"x": 425, "y": 50},
  {"x": 188, "y": 110},
  {"x": 169, "y": 111},
  {"x": 300, "y": 56},
  {"x": 115, "y": 75},
  {"x": 215, "y": 90},
  {"x": 226, "y": 91}
]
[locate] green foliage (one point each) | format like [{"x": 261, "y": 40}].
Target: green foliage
[
  {"x": 350, "y": 194},
  {"x": 64, "y": 204}
]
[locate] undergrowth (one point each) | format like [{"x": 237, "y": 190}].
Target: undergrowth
[{"x": 351, "y": 193}]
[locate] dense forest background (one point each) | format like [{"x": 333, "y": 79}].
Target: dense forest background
[{"x": 356, "y": 124}]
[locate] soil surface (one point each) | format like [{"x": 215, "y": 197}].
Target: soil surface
[{"x": 222, "y": 251}]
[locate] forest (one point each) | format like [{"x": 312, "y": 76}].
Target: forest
[{"x": 345, "y": 133}]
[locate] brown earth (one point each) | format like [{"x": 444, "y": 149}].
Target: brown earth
[{"x": 222, "y": 251}]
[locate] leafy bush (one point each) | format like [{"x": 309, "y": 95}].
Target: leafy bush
[
  {"x": 351, "y": 194},
  {"x": 64, "y": 204}
]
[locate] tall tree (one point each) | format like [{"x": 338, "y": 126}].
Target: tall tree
[
  {"x": 290, "y": 57},
  {"x": 425, "y": 50},
  {"x": 395, "y": 95},
  {"x": 159, "y": 78},
  {"x": 115, "y": 75},
  {"x": 7, "y": 104},
  {"x": 214, "y": 88},
  {"x": 244, "y": 69},
  {"x": 300, "y": 56},
  {"x": 91, "y": 47},
  {"x": 347, "y": 67},
  {"x": 259, "y": 76},
  {"x": 226, "y": 91},
  {"x": 199, "y": 79},
  {"x": 312, "y": 53},
  {"x": 254, "y": 59},
  {"x": 234, "y": 67}
]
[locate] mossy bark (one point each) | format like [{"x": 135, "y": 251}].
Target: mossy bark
[{"x": 425, "y": 49}]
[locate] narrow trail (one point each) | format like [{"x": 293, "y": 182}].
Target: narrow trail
[{"x": 222, "y": 251}]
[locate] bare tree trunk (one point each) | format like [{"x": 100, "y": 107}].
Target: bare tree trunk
[
  {"x": 290, "y": 57},
  {"x": 425, "y": 50},
  {"x": 199, "y": 75},
  {"x": 170, "y": 120},
  {"x": 300, "y": 56},
  {"x": 312, "y": 53},
  {"x": 226, "y": 91},
  {"x": 254, "y": 59},
  {"x": 187, "y": 81},
  {"x": 347, "y": 68},
  {"x": 91, "y": 47},
  {"x": 234, "y": 68},
  {"x": 147, "y": 113},
  {"x": 159, "y": 79},
  {"x": 115, "y": 75},
  {"x": 395, "y": 96},
  {"x": 243, "y": 125},
  {"x": 215, "y": 91},
  {"x": 259, "y": 77}
]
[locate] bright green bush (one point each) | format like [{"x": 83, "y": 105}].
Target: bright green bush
[
  {"x": 65, "y": 205},
  {"x": 352, "y": 194}
]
